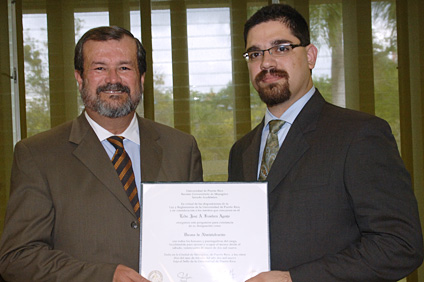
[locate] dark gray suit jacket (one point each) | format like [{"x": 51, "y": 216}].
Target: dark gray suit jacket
[
  {"x": 341, "y": 207},
  {"x": 68, "y": 216}
]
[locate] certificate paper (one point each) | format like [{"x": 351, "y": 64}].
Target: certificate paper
[{"x": 204, "y": 232}]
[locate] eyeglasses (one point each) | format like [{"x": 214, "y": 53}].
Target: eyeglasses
[{"x": 276, "y": 51}]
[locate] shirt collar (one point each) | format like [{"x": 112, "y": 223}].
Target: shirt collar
[
  {"x": 293, "y": 111},
  {"x": 131, "y": 133}
]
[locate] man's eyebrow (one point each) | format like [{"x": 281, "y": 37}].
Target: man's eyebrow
[
  {"x": 253, "y": 48},
  {"x": 126, "y": 62},
  {"x": 104, "y": 63},
  {"x": 281, "y": 41},
  {"x": 273, "y": 43},
  {"x": 98, "y": 63}
]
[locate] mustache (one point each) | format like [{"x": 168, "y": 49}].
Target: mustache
[
  {"x": 113, "y": 87},
  {"x": 274, "y": 72}
]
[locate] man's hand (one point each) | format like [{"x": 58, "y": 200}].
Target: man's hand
[
  {"x": 271, "y": 276},
  {"x": 126, "y": 274}
]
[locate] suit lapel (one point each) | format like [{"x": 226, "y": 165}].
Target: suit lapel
[
  {"x": 292, "y": 149},
  {"x": 295, "y": 144},
  {"x": 91, "y": 153},
  {"x": 150, "y": 151},
  {"x": 251, "y": 155}
]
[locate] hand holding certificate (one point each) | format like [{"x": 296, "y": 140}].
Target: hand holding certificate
[{"x": 204, "y": 231}]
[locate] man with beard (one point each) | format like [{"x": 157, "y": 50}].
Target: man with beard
[
  {"x": 70, "y": 217},
  {"x": 341, "y": 207}
]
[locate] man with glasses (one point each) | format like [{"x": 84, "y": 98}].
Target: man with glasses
[
  {"x": 75, "y": 201},
  {"x": 341, "y": 207}
]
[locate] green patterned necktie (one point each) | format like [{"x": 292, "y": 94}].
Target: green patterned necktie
[{"x": 271, "y": 148}]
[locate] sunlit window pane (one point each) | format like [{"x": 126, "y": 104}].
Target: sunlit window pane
[
  {"x": 162, "y": 66},
  {"x": 326, "y": 34},
  {"x": 209, "y": 44},
  {"x": 36, "y": 73},
  {"x": 88, "y": 20},
  {"x": 135, "y": 23},
  {"x": 385, "y": 64}
]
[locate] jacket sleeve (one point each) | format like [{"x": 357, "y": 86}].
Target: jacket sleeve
[
  {"x": 380, "y": 193},
  {"x": 27, "y": 250},
  {"x": 196, "y": 169}
]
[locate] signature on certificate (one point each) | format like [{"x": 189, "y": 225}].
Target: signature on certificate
[{"x": 184, "y": 277}]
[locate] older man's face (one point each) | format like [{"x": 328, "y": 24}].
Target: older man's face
[{"x": 111, "y": 84}]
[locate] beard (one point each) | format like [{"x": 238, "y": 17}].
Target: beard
[
  {"x": 107, "y": 107},
  {"x": 273, "y": 93}
]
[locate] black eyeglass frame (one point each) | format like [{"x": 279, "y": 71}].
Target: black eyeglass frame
[{"x": 271, "y": 51}]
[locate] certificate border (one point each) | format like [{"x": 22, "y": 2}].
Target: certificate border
[{"x": 204, "y": 184}]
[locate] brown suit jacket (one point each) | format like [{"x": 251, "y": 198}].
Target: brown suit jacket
[
  {"x": 341, "y": 207},
  {"x": 68, "y": 217}
]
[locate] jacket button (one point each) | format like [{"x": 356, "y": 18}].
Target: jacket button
[{"x": 134, "y": 225}]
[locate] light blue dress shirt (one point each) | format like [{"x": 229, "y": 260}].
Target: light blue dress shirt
[
  {"x": 131, "y": 145},
  {"x": 288, "y": 116}
]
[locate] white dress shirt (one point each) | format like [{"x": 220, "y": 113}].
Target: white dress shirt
[{"x": 131, "y": 145}]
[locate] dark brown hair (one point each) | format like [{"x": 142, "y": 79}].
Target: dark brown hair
[
  {"x": 284, "y": 14},
  {"x": 105, "y": 33}
]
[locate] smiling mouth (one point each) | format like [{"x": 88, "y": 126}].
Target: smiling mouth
[
  {"x": 112, "y": 89},
  {"x": 113, "y": 92}
]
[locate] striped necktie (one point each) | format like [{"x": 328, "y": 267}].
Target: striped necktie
[
  {"x": 122, "y": 163},
  {"x": 271, "y": 148}
]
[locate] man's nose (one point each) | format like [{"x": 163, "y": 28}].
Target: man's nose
[
  {"x": 113, "y": 76},
  {"x": 268, "y": 60}
]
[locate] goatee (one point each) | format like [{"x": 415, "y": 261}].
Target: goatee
[
  {"x": 105, "y": 107},
  {"x": 273, "y": 93}
]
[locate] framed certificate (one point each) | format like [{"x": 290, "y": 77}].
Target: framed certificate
[{"x": 204, "y": 231}]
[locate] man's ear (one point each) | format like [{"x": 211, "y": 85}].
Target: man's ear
[
  {"x": 142, "y": 78},
  {"x": 78, "y": 78},
  {"x": 142, "y": 81},
  {"x": 312, "y": 53}
]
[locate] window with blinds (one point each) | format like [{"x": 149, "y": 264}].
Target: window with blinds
[{"x": 371, "y": 58}]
